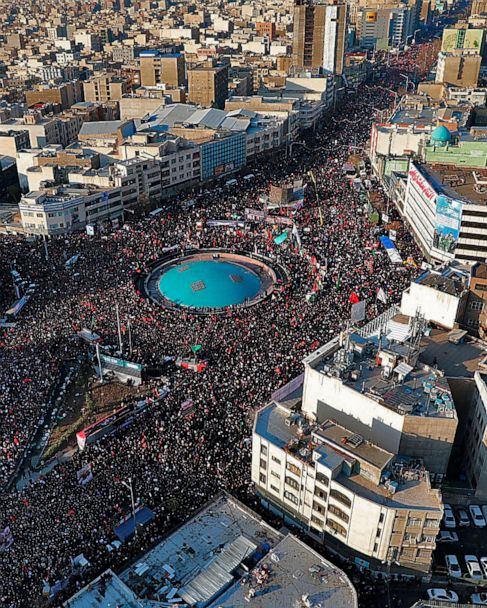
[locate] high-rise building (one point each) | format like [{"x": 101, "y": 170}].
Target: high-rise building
[
  {"x": 161, "y": 68},
  {"x": 458, "y": 68},
  {"x": 107, "y": 87},
  {"x": 478, "y": 7},
  {"x": 208, "y": 85},
  {"x": 319, "y": 35}
]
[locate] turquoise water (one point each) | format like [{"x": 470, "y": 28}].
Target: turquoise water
[{"x": 209, "y": 284}]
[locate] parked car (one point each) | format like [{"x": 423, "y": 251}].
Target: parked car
[
  {"x": 479, "y": 599},
  {"x": 483, "y": 565},
  {"x": 484, "y": 511},
  {"x": 477, "y": 516},
  {"x": 442, "y": 595},
  {"x": 473, "y": 567},
  {"x": 453, "y": 566},
  {"x": 463, "y": 518},
  {"x": 445, "y": 536},
  {"x": 448, "y": 518}
]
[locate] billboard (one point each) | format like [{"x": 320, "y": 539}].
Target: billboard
[{"x": 447, "y": 225}]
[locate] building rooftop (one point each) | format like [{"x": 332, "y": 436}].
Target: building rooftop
[
  {"x": 221, "y": 558},
  {"x": 441, "y": 283},
  {"x": 401, "y": 482},
  {"x": 351, "y": 443},
  {"x": 458, "y": 182},
  {"x": 386, "y": 370}
]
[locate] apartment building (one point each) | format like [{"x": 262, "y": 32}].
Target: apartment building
[
  {"x": 345, "y": 491},
  {"x": 348, "y": 451},
  {"x": 158, "y": 68},
  {"x": 107, "y": 87},
  {"x": 92, "y": 196},
  {"x": 458, "y": 68},
  {"x": 64, "y": 95},
  {"x": 44, "y": 131},
  {"x": 13, "y": 141},
  {"x": 282, "y": 108},
  {"x": 319, "y": 35},
  {"x": 179, "y": 159},
  {"x": 208, "y": 85}
]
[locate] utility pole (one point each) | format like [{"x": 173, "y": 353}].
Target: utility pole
[
  {"x": 99, "y": 362},
  {"x": 46, "y": 251},
  {"x": 120, "y": 344},
  {"x": 130, "y": 487}
]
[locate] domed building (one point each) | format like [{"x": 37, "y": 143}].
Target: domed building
[{"x": 441, "y": 136}]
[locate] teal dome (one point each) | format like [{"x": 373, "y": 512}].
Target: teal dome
[{"x": 441, "y": 135}]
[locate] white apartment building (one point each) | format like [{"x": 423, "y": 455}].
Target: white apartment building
[
  {"x": 62, "y": 210},
  {"x": 179, "y": 159},
  {"x": 325, "y": 450},
  {"x": 92, "y": 196},
  {"x": 336, "y": 486},
  {"x": 135, "y": 177}
]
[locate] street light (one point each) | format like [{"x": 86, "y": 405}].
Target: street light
[{"x": 130, "y": 487}]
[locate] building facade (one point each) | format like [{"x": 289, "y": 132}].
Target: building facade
[
  {"x": 158, "y": 68},
  {"x": 208, "y": 86},
  {"x": 319, "y": 35}
]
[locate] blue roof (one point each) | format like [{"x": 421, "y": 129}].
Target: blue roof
[
  {"x": 126, "y": 530},
  {"x": 441, "y": 134}
]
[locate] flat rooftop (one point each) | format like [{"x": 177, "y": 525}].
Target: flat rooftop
[
  {"x": 456, "y": 182},
  {"x": 455, "y": 360},
  {"x": 106, "y": 591},
  {"x": 299, "y": 571},
  {"x": 408, "y": 389},
  {"x": 412, "y": 481},
  {"x": 219, "y": 558},
  {"x": 343, "y": 440}
]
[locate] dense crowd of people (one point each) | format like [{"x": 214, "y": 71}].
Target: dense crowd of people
[{"x": 176, "y": 462}]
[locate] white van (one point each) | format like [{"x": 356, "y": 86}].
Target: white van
[{"x": 230, "y": 183}]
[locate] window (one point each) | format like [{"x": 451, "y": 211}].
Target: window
[
  {"x": 341, "y": 498},
  {"x": 319, "y": 508},
  {"x": 432, "y": 523},
  {"x": 291, "y": 497},
  {"x": 477, "y": 305},
  {"x": 275, "y": 489},
  {"x": 276, "y": 475},
  {"x": 263, "y": 464},
  {"x": 339, "y": 513},
  {"x": 424, "y": 553},
  {"x": 381, "y": 518},
  {"x": 316, "y": 520},
  {"x": 322, "y": 479},
  {"x": 336, "y": 527},
  {"x": 263, "y": 450},
  {"x": 293, "y": 468},
  {"x": 275, "y": 459},
  {"x": 321, "y": 494},
  {"x": 292, "y": 483},
  {"x": 262, "y": 478},
  {"x": 376, "y": 547},
  {"x": 412, "y": 522}
]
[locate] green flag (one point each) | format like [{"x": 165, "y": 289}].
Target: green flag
[{"x": 196, "y": 348}]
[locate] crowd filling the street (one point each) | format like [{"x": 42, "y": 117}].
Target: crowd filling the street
[{"x": 178, "y": 462}]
